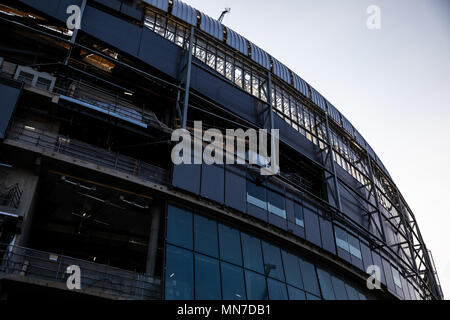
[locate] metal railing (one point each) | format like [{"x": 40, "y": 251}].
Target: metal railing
[
  {"x": 109, "y": 103},
  {"x": 10, "y": 197},
  {"x": 124, "y": 284},
  {"x": 29, "y": 135}
]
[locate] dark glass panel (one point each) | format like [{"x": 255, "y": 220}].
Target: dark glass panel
[
  {"x": 205, "y": 236},
  {"x": 233, "y": 286},
  {"x": 179, "y": 227},
  {"x": 230, "y": 245},
  {"x": 179, "y": 274},
  {"x": 207, "y": 278}
]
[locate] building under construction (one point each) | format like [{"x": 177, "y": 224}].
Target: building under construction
[{"x": 86, "y": 176}]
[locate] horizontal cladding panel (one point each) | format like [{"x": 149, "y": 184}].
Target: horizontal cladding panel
[
  {"x": 260, "y": 56},
  {"x": 295, "y": 140},
  {"x": 213, "y": 182},
  {"x": 318, "y": 99},
  {"x": 225, "y": 94},
  {"x": 301, "y": 85},
  {"x": 212, "y": 26},
  {"x": 160, "y": 4},
  {"x": 113, "y": 4},
  {"x": 115, "y": 31},
  {"x": 281, "y": 70},
  {"x": 347, "y": 126},
  {"x": 160, "y": 53},
  {"x": 334, "y": 113},
  {"x": 236, "y": 41},
  {"x": 184, "y": 12}
]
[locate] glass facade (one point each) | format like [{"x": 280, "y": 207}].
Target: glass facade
[{"x": 208, "y": 260}]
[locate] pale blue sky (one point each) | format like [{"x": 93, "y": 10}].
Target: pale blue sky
[{"x": 393, "y": 84}]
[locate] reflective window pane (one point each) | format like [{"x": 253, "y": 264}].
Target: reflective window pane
[
  {"x": 311, "y": 297},
  {"x": 273, "y": 267},
  {"x": 296, "y": 294},
  {"x": 309, "y": 277},
  {"x": 292, "y": 269},
  {"x": 339, "y": 288},
  {"x": 207, "y": 278},
  {"x": 352, "y": 292},
  {"x": 341, "y": 239},
  {"x": 233, "y": 287},
  {"x": 205, "y": 236},
  {"x": 230, "y": 245},
  {"x": 179, "y": 227},
  {"x": 276, "y": 204},
  {"x": 179, "y": 274},
  {"x": 325, "y": 284},
  {"x": 299, "y": 220},
  {"x": 256, "y": 286},
  {"x": 256, "y": 195},
  {"x": 277, "y": 290},
  {"x": 251, "y": 250},
  {"x": 354, "y": 247},
  {"x": 396, "y": 276}
]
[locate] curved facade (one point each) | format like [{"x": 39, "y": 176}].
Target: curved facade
[{"x": 95, "y": 108}]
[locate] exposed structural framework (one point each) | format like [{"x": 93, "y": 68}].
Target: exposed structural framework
[{"x": 86, "y": 177}]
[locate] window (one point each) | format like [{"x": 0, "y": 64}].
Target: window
[
  {"x": 309, "y": 277},
  {"x": 256, "y": 286},
  {"x": 292, "y": 270},
  {"x": 354, "y": 247},
  {"x": 325, "y": 284},
  {"x": 273, "y": 267},
  {"x": 230, "y": 245},
  {"x": 179, "y": 227},
  {"x": 352, "y": 292},
  {"x": 299, "y": 219},
  {"x": 396, "y": 276},
  {"x": 251, "y": 250},
  {"x": 276, "y": 204},
  {"x": 205, "y": 236},
  {"x": 277, "y": 290},
  {"x": 347, "y": 242},
  {"x": 233, "y": 287},
  {"x": 296, "y": 294},
  {"x": 256, "y": 195},
  {"x": 339, "y": 288},
  {"x": 179, "y": 274},
  {"x": 207, "y": 278}
]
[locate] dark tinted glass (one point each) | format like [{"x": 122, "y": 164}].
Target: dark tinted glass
[
  {"x": 179, "y": 227},
  {"x": 251, "y": 249},
  {"x": 207, "y": 278},
  {"x": 179, "y": 274},
  {"x": 273, "y": 267},
  {"x": 277, "y": 290},
  {"x": 299, "y": 220},
  {"x": 292, "y": 269},
  {"x": 296, "y": 294},
  {"x": 230, "y": 245},
  {"x": 309, "y": 277},
  {"x": 325, "y": 284},
  {"x": 205, "y": 236},
  {"x": 256, "y": 195},
  {"x": 339, "y": 288},
  {"x": 256, "y": 286},
  {"x": 233, "y": 286},
  {"x": 276, "y": 204}
]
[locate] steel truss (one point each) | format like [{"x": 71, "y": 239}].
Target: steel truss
[{"x": 411, "y": 252}]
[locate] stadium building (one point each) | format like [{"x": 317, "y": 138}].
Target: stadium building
[{"x": 86, "y": 176}]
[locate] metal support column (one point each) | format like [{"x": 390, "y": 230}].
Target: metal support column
[
  {"x": 333, "y": 165},
  {"x": 188, "y": 80},
  {"x": 375, "y": 195},
  {"x": 155, "y": 211}
]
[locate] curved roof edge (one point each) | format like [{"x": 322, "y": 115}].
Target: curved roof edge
[{"x": 213, "y": 27}]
